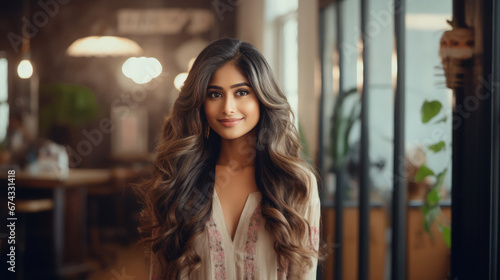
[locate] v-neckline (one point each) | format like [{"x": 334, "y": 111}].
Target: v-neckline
[{"x": 243, "y": 216}]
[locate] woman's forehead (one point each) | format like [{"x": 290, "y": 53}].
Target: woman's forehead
[{"x": 227, "y": 75}]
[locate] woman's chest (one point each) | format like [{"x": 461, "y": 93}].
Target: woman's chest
[
  {"x": 250, "y": 255},
  {"x": 233, "y": 191}
]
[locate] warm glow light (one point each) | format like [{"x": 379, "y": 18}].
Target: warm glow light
[
  {"x": 335, "y": 78},
  {"x": 102, "y": 46},
  {"x": 359, "y": 73},
  {"x": 179, "y": 80},
  {"x": 25, "y": 70},
  {"x": 187, "y": 50},
  {"x": 394, "y": 68},
  {"x": 191, "y": 62},
  {"x": 142, "y": 69},
  {"x": 360, "y": 67}
]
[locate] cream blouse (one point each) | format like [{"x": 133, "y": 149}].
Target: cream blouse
[{"x": 251, "y": 254}]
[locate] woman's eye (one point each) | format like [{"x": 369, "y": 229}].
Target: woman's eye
[
  {"x": 214, "y": 94},
  {"x": 242, "y": 93}
]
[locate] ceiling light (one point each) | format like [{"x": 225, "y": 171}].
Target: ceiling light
[
  {"x": 179, "y": 80},
  {"x": 25, "y": 69},
  {"x": 102, "y": 46},
  {"x": 142, "y": 69}
]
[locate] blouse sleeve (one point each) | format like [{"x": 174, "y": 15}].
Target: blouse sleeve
[{"x": 313, "y": 215}]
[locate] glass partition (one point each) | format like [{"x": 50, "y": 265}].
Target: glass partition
[{"x": 427, "y": 135}]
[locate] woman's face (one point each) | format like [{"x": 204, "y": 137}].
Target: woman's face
[{"x": 231, "y": 106}]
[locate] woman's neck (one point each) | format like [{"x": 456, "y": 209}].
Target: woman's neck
[{"x": 238, "y": 153}]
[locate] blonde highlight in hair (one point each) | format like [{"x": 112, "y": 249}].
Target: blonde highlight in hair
[{"x": 177, "y": 200}]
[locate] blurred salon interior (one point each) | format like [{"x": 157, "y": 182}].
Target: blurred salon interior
[{"x": 396, "y": 103}]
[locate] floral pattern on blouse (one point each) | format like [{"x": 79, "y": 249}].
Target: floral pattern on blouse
[
  {"x": 218, "y": 255},
  {"x": 249, "y": 254},
  {"x": 315, "y": 237},
  {"x": 252, "y": 236}
]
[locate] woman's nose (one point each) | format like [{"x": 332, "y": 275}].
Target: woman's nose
[{"x": 228, "y": 105}]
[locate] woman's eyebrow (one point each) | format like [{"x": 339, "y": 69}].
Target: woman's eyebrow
[
  {"x": 240, "y": 84},
  {"x": 233, "y": 86}
]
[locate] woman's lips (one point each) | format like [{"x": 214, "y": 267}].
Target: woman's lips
[{"x": 229, "y": 122}]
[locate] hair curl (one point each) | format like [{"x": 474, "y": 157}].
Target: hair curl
[{"x": 177, "y": 200}]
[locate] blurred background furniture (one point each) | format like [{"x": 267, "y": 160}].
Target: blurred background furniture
[
  {"x": 28, "y": 210},
  {"x": 113, "y": 212},
  {"x": 66, "y": 254}
]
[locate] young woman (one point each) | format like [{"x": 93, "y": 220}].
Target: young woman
[{"x": 230, "y": 198}]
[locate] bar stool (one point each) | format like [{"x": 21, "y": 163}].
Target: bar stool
[{"x": 25, "y": 207}]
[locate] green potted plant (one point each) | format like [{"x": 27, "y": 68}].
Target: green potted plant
[
  {"x": 431, "y": 204},
  {"x": 341, "y": 126},
  {"x": 64, "y": 106}
]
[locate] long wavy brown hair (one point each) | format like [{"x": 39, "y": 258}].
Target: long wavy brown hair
[{"x": 177, "y": 200}]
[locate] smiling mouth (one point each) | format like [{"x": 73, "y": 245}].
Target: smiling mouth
[{"x": 230, "y": 122}]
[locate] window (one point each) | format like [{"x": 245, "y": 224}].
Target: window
[
  {"x": 282, "y": 21},
  {"x": 288, "y": 54},
  {"x": 4, "y": 106}
]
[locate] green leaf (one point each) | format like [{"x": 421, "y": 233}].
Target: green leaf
[
  {"x": 433, "y": 197},
  {"x": 442, "y": 120},
  {"x": 429, "y": 218},
  {"x": 430, "y": 109},
  {"x": 425, "y": 211},
  {"x": 440, "y": 178},
  {"x": 424, "y": 208},
  {"x": 341, "y": 141},
  {"x": 338, "y": 143},
  {"x": 423, "y": 172},
  {"x": 446, "y": 233},
  {"x": 439, "y": 146}
]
